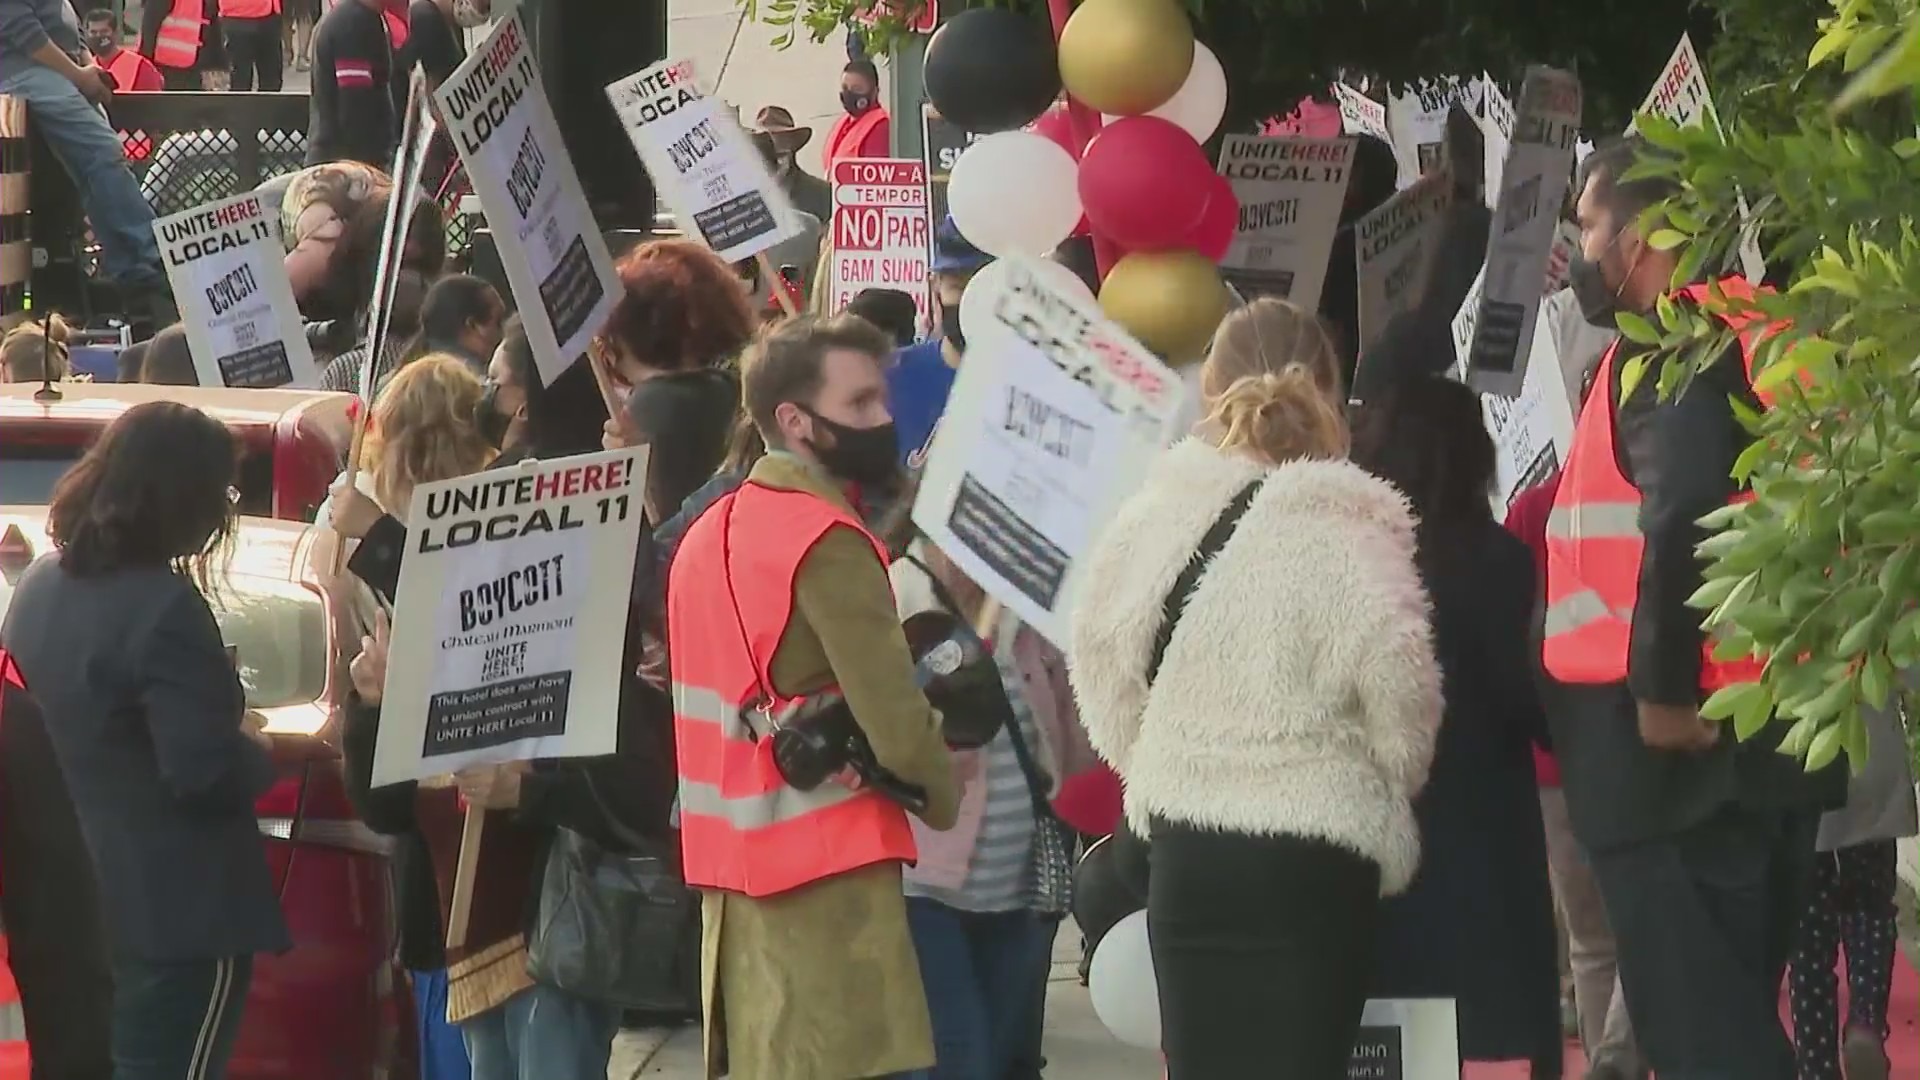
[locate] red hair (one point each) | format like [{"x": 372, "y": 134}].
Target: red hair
[{"x": 682, "y": 307}]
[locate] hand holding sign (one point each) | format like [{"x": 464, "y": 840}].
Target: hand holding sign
[{"x": 368, "y": 670}]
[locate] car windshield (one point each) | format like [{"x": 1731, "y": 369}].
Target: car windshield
[
  {"x": 277, "y": 629},
  {"x": 29, "y": 472}
]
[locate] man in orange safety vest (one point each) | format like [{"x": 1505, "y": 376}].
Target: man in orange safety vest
[
  {"x": 779, "y": 591},
  {"x": 1700, "y": 845},
  {"x": 186, "y": 40}
]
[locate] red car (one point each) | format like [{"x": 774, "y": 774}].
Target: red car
[
  {"x": 337, "y": 1007},
  {"x": 293, "y": 441}
]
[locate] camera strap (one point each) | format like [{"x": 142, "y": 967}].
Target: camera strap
[{"x": 757, "y": 715}]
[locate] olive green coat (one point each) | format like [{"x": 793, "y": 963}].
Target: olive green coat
[{"x": 821, "y": 983}]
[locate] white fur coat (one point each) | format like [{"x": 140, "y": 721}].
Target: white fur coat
[{"x": 1300, "y": 694}]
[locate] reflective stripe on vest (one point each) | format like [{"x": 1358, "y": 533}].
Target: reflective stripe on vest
[
  {"x": 742, "y": 827},
  {"x": 178, "y": 43},
  {"x": 125, "y": 69},
  {"x": 1594, "y": 543}
]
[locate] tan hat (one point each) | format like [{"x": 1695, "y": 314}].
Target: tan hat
[{"x": 778, "y": 123}]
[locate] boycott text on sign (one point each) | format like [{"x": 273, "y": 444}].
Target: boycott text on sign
[
  {"x": 941, "y": 143},
  {"x": 704, "y": 166},
  {"x": 503, "y": 648},
  {"x": 879, "y": 229},
  {"x": 1533, "y": 186},
  {"x": 1418, "y": 119},
  {"x": 555, "y": 259},
  {"x": 225, "y": 264},
  {"x": 1052, "y": 419},
  {"x": 1395, "y": 248},
  {"x": 1290, "y": 192}
]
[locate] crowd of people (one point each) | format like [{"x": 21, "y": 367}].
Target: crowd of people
[{"x": 1374, "y": 741}]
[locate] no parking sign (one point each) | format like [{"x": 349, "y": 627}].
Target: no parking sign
[{"x": 879, "y": 230}]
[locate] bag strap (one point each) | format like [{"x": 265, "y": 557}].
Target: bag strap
[
  {"x": 1030, "y": 769},
  {"x": 726, "y": 573},
  {"x": 1216, "y": 538}
]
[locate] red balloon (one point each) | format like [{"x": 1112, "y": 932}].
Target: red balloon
[
  {"x": 1145, "y": 183},
  {"x": 1215, "y": 231},
  {"x": 1057, "y": 124}
]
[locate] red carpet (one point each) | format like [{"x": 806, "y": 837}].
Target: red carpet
[{"x": 1903, "y": 1013}]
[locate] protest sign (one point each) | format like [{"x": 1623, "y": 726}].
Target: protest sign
[
  {"x": 1532, "y": 188},
  {"x": 704, "y": 166},
  {"x": 226, "y": 267},
  {"x": 1395, "y": 247},
  {"x": 554, "y": 257},
  {"x": 507, "y": 641},
  {"x": 1418, "y": 120},
  {"x": 1051, "y": 421},
  {"x": 1290, "y": 191},
  {"x": 941, "y": 143},
  {"x": 409, "y": 158},
  {"x": 1681, "y": 95},
  {"x": 1360, "y": 114},
  {"x": 1406, "y": 1039},
  {"x": 1496, "y": 133},
  {"x": 1531, "y": 431},
  {"x": 880, "y": 230}
]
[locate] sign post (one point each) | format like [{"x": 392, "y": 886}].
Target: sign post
[
  {"x": 1395, "y": 249},
  {"x": 226, "y": 265},
  {"x": 880, "y": 231}
]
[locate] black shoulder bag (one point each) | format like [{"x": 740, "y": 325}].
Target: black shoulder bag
[
  {"x": 1119, "y": 863},
  {"x": 620, "y": 928}
]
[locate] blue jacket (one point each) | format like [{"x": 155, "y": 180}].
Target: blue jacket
[{"x": 25, "y": 25}]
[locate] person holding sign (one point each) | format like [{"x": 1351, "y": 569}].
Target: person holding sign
[
  {"x": 778, "y": 591},
  {"x": 116, "y": 641},
  {"x": 1254, "y": 660},
  {"x": 1702, "y": 845}
]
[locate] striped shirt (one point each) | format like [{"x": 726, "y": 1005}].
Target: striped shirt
[{"x": 1000, "y": 870}]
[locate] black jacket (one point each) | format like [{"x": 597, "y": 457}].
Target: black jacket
[
  {"x": 144, "y": 709},
  {"x": 350, "y": 112},
  {"x": 213, "y": 36}
]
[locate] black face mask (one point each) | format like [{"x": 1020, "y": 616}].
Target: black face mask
[
  {"x": 950, "y": 327},
  {"x": 868, "y": 457},
  {"x": 1598, "y": 305},
  {"x": 855, "y": 102},
  {"x": 493, "y": 423}
]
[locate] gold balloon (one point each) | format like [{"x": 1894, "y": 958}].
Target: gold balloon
[
  {"x": 1126, "y": 57},
  {"x": 1171, "y": 300}
]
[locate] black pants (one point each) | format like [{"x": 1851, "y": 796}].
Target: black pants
[
  {"x": 1704, "y": 921},
  {"x": 1852, "y": 905},
  {"x": 254, "y": 50},
  {"x": 1263, "y": 947},
  {"x": 177, "y": 1021},
  {"x": 179, "y": 79}
]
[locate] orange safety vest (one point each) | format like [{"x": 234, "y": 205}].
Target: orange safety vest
[
  {"x": 178, "y": 43},
  {"x": 126, "y": 68},
  {"x": 1594, "y": 541},
  {"x": 729, "y": 596},
  {"x": 249, "y": 9},
  {"x": 396, "y": 27},
  {"x": 850, "y": 133}
]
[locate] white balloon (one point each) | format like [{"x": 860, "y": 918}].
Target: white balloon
[
  {"x": 1015, "y": 193},
  {"x": 1201, "y": 101},
  {"x": 1126, "y": 996},
  {"x": 976, "y": 304}
]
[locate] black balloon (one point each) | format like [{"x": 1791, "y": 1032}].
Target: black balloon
[{"x": 991, "y": 69}]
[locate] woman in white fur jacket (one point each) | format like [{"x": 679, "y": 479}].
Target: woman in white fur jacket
[{"x": 1272, "y": 742}]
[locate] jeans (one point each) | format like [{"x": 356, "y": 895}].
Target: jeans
[
  {"x": 253, "y": 50},
  {"x": 542, "y": 1034},
  {"x": 979, "y": 970},
  {"x": 90, "y": 149},
  {"x": 177, "y": 1021},
  {"x": 443, "y": 1055}
]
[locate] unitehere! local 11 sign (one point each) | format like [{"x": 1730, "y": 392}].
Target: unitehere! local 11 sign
[{"x": 879, "y": 229}]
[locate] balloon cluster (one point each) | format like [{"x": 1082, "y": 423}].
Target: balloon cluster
[{"x": 1042, "y": 171}]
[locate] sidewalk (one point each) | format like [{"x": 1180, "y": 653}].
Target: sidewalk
[{"x": 1077, "y": 1047}]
